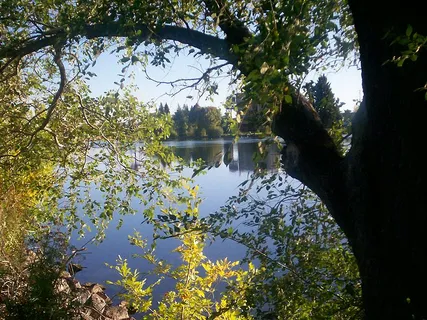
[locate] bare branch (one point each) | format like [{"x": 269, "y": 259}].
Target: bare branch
[{"x": 182, "y": 81}]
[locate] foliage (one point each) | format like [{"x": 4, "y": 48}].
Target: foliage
[
  {"x": 347, "y": 117},
  {"x": 412, "y": 41},
  {"x": 211, "y": 117},
  {"x": 305, "y": 268},
  {"x": 180, "y": 119},
  {"x": 92, "y": 149},
  {"x": 227, "y": 123},
  {"x": 215, "y": 132},
  {"x": 47, "y": 50},
  {"x": 324, "y": 101},
  {"x": 339, "y": 133},
  {"x": 308, "y": 270},
  {"x": 164, "y": 109},
  {"x": 196, "y": 295},
  {"x": 139, "y": 298},
  {"x": 201, "y": 133},
  {"x": 30, "y": 290},
  {"x": 197, "y": 121}
]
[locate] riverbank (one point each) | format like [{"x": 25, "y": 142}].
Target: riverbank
[
  {"x": 91, "y": 300},
  {"x": 37, "y": 289}
]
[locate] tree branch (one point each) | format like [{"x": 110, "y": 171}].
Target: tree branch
[
  {"x": 311, "y": 156},
  {"x": 63, "y": 80},
  {"x": 207, "y": 44},
  {"x": 234, "y": 29},
  {"x": 181, "y": 83}
]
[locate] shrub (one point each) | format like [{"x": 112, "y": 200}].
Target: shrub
[
  {"x": 202, "y": 133},
  {"x": 215, "y": 132}
]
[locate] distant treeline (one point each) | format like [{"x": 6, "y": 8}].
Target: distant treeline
[
  {"x": 197, "y": 122},
  {"x": 208, "y": 122}
]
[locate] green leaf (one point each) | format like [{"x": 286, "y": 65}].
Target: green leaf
[
  {"x": 409, "y": 30},
  {"x": 134, "y": 59},
  {"x": 288, "y": 99}
]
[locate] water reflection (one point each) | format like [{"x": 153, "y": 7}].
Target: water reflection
[
  {"x": 216, "y": 186},
  {"x": 238, "y": 157}
]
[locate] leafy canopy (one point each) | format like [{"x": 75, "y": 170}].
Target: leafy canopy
[{"x": 51, "y": 120}]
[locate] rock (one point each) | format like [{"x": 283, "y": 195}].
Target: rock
[
  {"x": 128, "y": 307},
  {"x": 94, "y": 287},
  {"x": 31, "y": 257},
  {"x": 98, "y": 303},
  {"x": 85, "y": 316},
  {"x": 74, "y": 284},
  {"x": 93, "y": 314},
  {"x": 91, "y": 301},
  {"x": 105, "y": 297},
  {"x": 82, "y": 296},
  {"x": 116, "y": 313},
  {"x": 62, "y": 286}
]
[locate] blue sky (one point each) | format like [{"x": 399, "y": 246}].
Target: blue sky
[{"x": 345, "y": 83}]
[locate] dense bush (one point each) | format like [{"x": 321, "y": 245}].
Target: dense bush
[{"x": 215, "y": 132}]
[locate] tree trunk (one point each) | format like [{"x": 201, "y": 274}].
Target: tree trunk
[
  {"x": 376, "y": 192},
  {"x": 386, "y": 172}
]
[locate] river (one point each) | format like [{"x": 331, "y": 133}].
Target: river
[{"x": 216, "y": 186}]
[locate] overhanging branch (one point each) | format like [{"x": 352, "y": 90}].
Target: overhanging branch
[
  {"x": 207, "y": 44},
  {"x": 310, "y": 156}
]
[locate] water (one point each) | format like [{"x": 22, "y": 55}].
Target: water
[{"x": 215, "y": 188}]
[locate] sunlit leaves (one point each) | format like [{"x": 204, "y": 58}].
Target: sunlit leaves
[
  {"x": 137, "y": 293},
  {"x": 306, "y": 267},
  {"x": 196, "y": 294},
  {"x": 112, "y": 144},
  {"x": 409, "y": 45}
]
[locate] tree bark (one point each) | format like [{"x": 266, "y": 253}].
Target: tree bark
[
  {"x": 385, "y": 177},
  {"x": 375, "y": 193}
]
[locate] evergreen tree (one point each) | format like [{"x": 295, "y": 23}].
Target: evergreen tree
[
  {"x": 166, "y": 109},
  {"x": 324, "y": 102},
  {"x": 161, "y": 109},
  {"x": 180, "y": 119}
]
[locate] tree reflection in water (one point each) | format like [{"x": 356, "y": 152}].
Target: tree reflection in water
[{"x": 238, "y": 157}]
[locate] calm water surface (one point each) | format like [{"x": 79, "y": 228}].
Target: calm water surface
[{"x": 215, "y": 188}]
